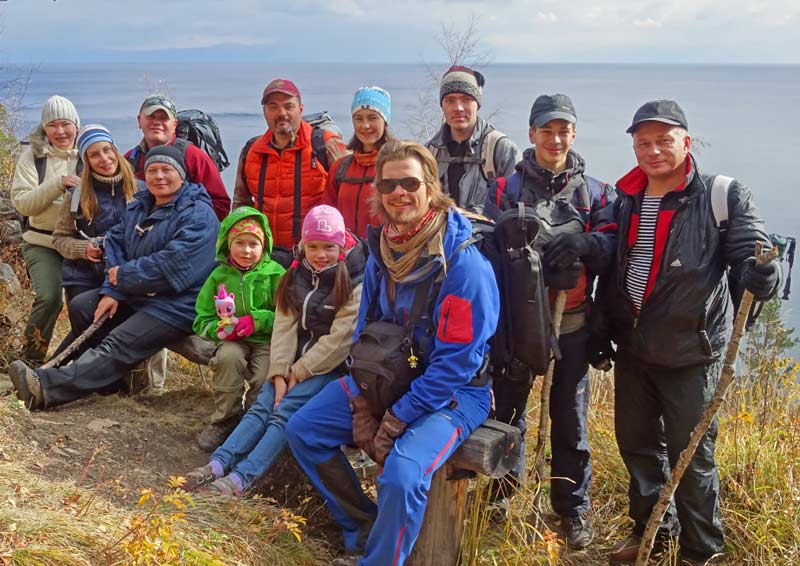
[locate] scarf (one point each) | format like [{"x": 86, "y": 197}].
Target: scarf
[
  {"x": 366, "y": 159},
  {"x": 107, "y": 180},
  {"x": 427, "y": 235}
]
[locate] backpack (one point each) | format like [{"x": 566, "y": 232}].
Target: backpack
[
  {"x": 41, "y": 170},
  {"x": 199, "y": 128},
  {"x": 320, "y": 123},
  {"x": 486, "y": 147}
]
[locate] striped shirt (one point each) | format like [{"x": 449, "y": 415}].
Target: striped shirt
[{"x": 641, "y": 254}]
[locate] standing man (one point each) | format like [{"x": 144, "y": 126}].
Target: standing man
[
  {"x": 470, "y": 151},
  {"x": 421, "y": 244},
  {"x": 158, "y": 120},
  {"x": 283, "y": 172},
  {"x": 551, "y": 171},
  {"x": 670, "y": 309}
]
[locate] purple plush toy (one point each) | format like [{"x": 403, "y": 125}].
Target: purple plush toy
[{"x": 226, "y": 307}]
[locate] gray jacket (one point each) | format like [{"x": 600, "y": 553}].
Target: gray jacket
[{"x": 474, "y": 184}]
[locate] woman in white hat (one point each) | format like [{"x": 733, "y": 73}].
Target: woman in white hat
[{"x": 45, "y": 170}]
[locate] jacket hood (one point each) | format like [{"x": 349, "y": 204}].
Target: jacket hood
[
  {"x": 223, "y": 252},
  {"x": 443, "y": 135},
  {"x": 458, "y": 230},
  {"x": 635, "y": 180},
  {"x": 41, "y": 147}
]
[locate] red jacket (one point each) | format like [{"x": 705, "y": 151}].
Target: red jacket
[
  {"x": 200, "y": 169},
  {"x": 353, "y": 196},
  {"x": 278, "y": 199}
]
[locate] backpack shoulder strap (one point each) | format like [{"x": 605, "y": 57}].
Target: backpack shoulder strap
[
  {"x": 488, "y": 146},
  {"x": 41, "y": 167},
  {"x": 245, "y": 152},
  {"x": 318, "y": 146},
  {"x": 719, "y": 200},
  {"x": 181, "y": 144},
  {"x": 344, "y": 165},
  {"x": 298, "y": 200}
]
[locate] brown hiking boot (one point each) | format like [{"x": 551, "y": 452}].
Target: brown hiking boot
[
  {"x": 26, "y": 382},
  {"x": 199, "y": 478},
  {"x": 626, "y": 550},
  {"x": 223, "y": 486},
  {"x": 215, "y": 433}
]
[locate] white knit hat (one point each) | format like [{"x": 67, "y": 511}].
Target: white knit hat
[{"x": 59, "y": 108}]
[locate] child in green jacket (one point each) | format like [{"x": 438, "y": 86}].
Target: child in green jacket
[{"x": 246, "y": 273}]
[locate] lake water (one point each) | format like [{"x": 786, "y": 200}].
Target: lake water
[{"x": 746, "y": 116}]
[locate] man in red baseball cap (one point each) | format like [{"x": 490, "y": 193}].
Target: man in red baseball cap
[{"x": 283, "y": 172}]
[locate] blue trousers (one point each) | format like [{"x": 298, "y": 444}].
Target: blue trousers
[
  {"x": 384, "y": 534},
  {"x": 260, "y": 436}
]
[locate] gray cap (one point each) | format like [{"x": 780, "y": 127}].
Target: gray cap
[
  {"x": 552, "y": 107},
  {"x": 664, "y": 111}
]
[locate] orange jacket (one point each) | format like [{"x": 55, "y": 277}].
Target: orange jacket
[
  {"x": 354, "y": 194},
  {"x": 278, "y": 199}
]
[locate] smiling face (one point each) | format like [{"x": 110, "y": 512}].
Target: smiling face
[
  {"x": 158, "y": 128},
  {"x": 283, "y": 114},
  {"x": 552, "y": 143},
  {"x": 661, "y": 150},
  {"x": 403, "y": 208},
  {"x": 369, "y": 127},
  {"x": 321, "y": 254},
  {"x": 163, "y": 181},
  {"x": 102, "y": 158},
  {"x": 461, "y": 114},
  {"x": 61, "y": 133},
  {"x": 246, "y": 250}
]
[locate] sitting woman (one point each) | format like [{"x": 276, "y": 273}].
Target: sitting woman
[
  {"x": 157, "y": 259},
  {"x": 317, "y": 304}
]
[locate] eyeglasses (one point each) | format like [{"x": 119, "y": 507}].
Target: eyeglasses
[
  {"x": 409, "y": 184},
  {"x": 159, "y": 101}
]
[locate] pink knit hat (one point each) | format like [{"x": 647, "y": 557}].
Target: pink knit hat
[{"x": 324, "y": 223}]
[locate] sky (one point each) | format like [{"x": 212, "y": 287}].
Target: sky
[{"x": 615, "y": 31}]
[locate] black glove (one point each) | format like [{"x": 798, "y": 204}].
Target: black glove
[
  {"x": 761, "y": 279},
  {"x": 563, "y": 279},
  {"x": 600, "y": 352},
  {"x": 566, "y": 249}
]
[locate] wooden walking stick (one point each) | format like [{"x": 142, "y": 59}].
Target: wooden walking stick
[
  {"x": 726, "y": 378},
  {"x": 544, "y": 409},
  {"x": 53, "y": 362}
]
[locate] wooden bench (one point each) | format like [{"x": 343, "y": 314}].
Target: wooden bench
[{"x": 492, "y": 450}]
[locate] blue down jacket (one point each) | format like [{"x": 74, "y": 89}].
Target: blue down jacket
[{"x": 164, "y": 254}]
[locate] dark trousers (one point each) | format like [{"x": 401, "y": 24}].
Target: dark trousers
[
  {"x": 118, "y": 345},
  {"x": 571, "y": 467},
  {"x": 44, "y": 268},
  {"x": 70, "y": 292},
  {"x": 656, "y": 410}
]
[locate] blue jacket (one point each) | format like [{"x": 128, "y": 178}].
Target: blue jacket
[
  {"x": 164, "y": 255},
  {"x": 464, "y": 318},
  {"x": 111, "y": 207}
]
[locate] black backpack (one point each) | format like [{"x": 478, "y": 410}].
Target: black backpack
[{"x": 199, "y": 128}]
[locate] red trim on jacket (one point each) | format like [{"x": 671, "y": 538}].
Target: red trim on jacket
[
  {"x": 635, "y": 180},
  {"x": 662, "y": 233}
]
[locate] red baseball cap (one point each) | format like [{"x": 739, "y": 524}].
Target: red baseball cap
[{"x": 284, "y": 86}]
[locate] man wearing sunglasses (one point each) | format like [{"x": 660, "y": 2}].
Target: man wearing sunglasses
[
  {"x": 424, "y": 244},
  {"x": 470, "y": 151},
  {"x": 158, "y": 120},
  {"x": 552, "y": 171}
]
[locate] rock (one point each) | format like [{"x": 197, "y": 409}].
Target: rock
[
  {"x": 100, "y": 425},
  {"x": 9, "y": 285}
]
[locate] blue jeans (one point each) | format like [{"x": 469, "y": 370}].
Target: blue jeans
[
  {"x": 384, "y": 534},
  {"x": 259, "y": 438}
]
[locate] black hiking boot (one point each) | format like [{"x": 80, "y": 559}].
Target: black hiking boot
[
  {"x": 26, "y": 382},
  {"x": 215, "y": 434},
  {"x": 578, "y": 531}
]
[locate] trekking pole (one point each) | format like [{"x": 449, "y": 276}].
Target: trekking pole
[
  {"x": 76, "y": 343},
  {"x": 544, "y": 409},
  {"x": 726, "y": 378}
]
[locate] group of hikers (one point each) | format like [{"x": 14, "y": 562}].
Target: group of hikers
[{"x": 149, "y": 241}]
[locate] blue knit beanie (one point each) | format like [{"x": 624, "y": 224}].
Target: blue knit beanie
[
  {"x": 89, "y": 134},
  {"x": 373, "y": 98}
]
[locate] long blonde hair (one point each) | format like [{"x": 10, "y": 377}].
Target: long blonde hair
[{"x": 88, "y": 200}]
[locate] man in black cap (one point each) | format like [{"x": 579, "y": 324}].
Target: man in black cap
[
  {"x": 683, "y": 236},
  {"x": 580, "y": 248},
  {"x": 470, "y": 152}
]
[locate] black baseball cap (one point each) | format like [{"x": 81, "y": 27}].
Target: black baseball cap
[
  {"x": 552, "y": 107},
  {"x": 665, "y": 111}
]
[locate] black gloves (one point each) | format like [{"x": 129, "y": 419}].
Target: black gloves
[
  {"x": 762, "y": 280},
  {"x": 566, "y": 249},
  {"x": 600, "y": 352},
  {"x": 563, "y": 279}
]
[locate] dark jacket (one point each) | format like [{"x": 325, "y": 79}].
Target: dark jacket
[
  {"x": 200, "y": 169},
  {"x": 465, "y": 316},
  {"x": 591, "y": 199},
  {"x": 686, "y": 317},
  {"x": 164, "y": 254},
  {"x": 313, "y": 291},
  {"x": 111, "y": 207}
]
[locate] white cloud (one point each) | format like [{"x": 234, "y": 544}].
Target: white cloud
[
  {"x": 546, "y": 17},
  {"x": 647, "y": 23}
]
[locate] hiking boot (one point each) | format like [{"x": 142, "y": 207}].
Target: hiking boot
[
  {"x": 349, "y": 560},
  {"x": 215, "y": 434},
  {"x": 578, "y": 531},
  {"x": 626, "y": 550},
  {"x": 223, "y": 486},
  {"x": 199, "y": 478},
  {"x": 26, "y": 382}
]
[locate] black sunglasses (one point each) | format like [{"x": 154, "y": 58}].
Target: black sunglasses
[{"x": 409, "y": 184}]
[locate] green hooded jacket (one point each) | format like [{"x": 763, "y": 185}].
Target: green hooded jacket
[{"x": 254, "y": 289}]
